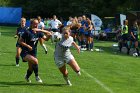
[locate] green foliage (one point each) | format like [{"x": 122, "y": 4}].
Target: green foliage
[{"x": 65, "y": 8}]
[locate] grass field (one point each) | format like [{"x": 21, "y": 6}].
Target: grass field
[{"x": 102, "y": 72}]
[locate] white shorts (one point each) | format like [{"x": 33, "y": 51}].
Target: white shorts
[{"x": 60, "y": 61}]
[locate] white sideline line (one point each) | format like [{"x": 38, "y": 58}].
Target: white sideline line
[{"x": 98, "y": 82}]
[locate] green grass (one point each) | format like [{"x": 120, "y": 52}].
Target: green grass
[{"x": 117, "y": 72}]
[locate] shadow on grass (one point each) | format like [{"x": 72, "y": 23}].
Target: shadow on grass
[
  {"x": 7, "y": 65},
  {"x": 23, "y": 83}
]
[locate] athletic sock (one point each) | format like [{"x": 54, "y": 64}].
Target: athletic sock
[
  {"x": 17, "y": 60},
  {"x": 29, "y": 73},
  {"x": 45, "y": 48},
  {"x": 91, "y": 45},
  {"x": 137, "y": 51},
  {"x": 35, "y": 69},
  {"x": 120, "y": 47},
  {"x": 78, "y": 73},
  {"x": 128, "y": 49}
]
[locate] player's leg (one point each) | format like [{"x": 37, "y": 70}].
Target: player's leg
[
  {"x": 18, "y": 51},
  {"x": 29, "y": 72},
  {"x": 64, "y": 71},
  {"x": 43, "y": 45},
  {"x": 75, "y": 66},
  {"x": 137, "y": 48},
  {"x": 91, "y": 43},
  {"x": 34, "y": 61}
]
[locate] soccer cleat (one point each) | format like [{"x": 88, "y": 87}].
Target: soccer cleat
[
  {"x": 38, "y": 79},
  {"x": 67, "y": 81},
  {"x": 27, "y": 79},
  {"x": 46, "y": 52},
  {"x": 17, "y": 65},
  {"x": 91, "y": 49},
  {"x": 79, "y": 73}
]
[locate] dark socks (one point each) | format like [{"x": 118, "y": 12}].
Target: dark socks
[
  {"x": 17, "y": 60},
  {"x": 91, "y": 45},
  {"x": 137, "y": 51},
  {"x": 120, "y": 46},
  {"x": 35, "y": 69},
  {"x": 87, "y": 46},
  {"x": 28, "y": 73}
]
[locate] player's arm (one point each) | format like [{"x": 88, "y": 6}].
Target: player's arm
[
  {"x": 132, "y": 34},
  {"x": 22, "y": 40},
  {"x": 47, "y": 36},
  {"x": 47, "y": 33},
  {"x": 76, "y": 46}
]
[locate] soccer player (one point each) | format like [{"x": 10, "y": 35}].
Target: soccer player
[
  {"x": 42, "y": 26},
  {"x": 82, "y": 30},
  {"x": 134, "y": 36},
  {"x": 89, "y": 35},
  {"x": 62, "y": 55},
  {"x": 19, "y": 32},
  {"x": 29, "y": 41}
]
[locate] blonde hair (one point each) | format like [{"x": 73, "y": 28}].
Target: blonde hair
[
  {"x": 32, "y": 21},
  {"x": 66, "y": 28},
  {"x": 23, "y": 18}
]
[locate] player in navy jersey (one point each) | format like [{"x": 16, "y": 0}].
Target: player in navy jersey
[
  {"x": 134, "y": 36},
  {"x": 29, "y": 41},
  {"x": 19, "y": 32},
  {"x": 82, "y": 30},
  {"x": 89, "y": 35}
]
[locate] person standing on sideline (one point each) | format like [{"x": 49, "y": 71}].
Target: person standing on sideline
[
  {"x": 19, "y": 32},
  {"x": 42, "y": 26},
  {"x": 29, "y": 41},
  {"x": 55, "y": 24},
  {"x": 124, "y": 37},
  {"x": 62, "y": 55},
  {"x": 134, "y": 36}
]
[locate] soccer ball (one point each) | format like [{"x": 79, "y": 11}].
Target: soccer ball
[
  {"x": 56, "y": 36},
  {"x": 135, "y": 54}
]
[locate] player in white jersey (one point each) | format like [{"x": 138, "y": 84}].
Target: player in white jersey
[
  {"x": 55, "y": 24},
  {"x": 62, "y": 55},
  {"x": 41, "y": 26}
]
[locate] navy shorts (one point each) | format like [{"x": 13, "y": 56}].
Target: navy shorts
[
  {"x": 24, "y": 53},
  {"x": 88, "y": 34},
  {"x": 125, "y": 37}
]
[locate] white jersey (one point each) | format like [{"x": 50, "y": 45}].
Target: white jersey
[
  {"x": 41, "y": 25},
  {"x": 69, "y": 23},
  {"x": 55, "y": 24},
  {"x": 62, "y": 52}
]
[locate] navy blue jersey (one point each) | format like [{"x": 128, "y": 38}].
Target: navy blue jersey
[
  {"x": 134, "y": 30},
  {"x": 21, "y": 30},
  {"x": 83, "y": 23},
  {"x": 31, "y": 39}
]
